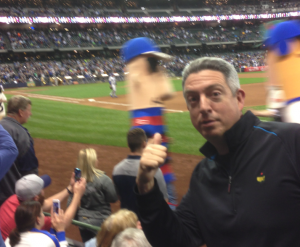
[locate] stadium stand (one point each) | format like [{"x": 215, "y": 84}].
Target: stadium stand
[{"x": 89, "y": 52}]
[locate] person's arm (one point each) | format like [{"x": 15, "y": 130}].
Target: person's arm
[
  {"x": 109, "y": 190},
  {"x": 61, "y": 196},
  {"x": 8, "y": 151},
  {"x": 161, "y": 225},
  {"x": 59, "y": 226},
  {"x": 161, "y": 183},
  {"x": 79, "y": 189}
]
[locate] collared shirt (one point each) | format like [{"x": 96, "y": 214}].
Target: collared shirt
[{"x": 124, "y": 177}]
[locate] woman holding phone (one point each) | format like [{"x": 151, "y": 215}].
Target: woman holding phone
[
  {"x": 29, "y": 220},
  {"x": 99, "y": 193}
]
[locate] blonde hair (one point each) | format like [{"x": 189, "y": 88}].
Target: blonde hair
[
  {"x": 114, "y": 224},
  {"x": 86, "y": 162}
]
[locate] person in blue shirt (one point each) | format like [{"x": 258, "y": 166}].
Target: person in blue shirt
[{"x": 8, "y": 153}]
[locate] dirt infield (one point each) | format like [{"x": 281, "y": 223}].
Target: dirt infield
[
  {"x": 58, "y": 158},
  {"x": 253, "y": 75}
]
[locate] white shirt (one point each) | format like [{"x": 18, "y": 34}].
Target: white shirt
[
  {"x": 36, "y": 239},
  {"x": 112, "y": 80}
]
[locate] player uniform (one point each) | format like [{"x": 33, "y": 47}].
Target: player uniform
[{"x": 113, "y": 84}]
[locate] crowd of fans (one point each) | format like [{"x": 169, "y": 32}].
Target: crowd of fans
[
  {"x": 28, "y": 40},
  {"x": 93, "y": 69},
  {"x": 23, "y": 202},
  {"x": 2, "y": 42},
  {"x": 95, "y": 37},
  {"x": 255, "y": 9}
]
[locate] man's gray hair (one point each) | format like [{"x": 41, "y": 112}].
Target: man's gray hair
[
  {"x": 16, "y": 103},
  {"x": 131, "y": 237},
  {"x": 216, "y": 64}
]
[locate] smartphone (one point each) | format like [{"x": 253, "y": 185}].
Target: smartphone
[
  {"x": 56, "y": 205},
  {"x": 77, "y": 172}
]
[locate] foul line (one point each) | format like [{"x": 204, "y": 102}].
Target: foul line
[
  {"x": 72, "y": 100},
  {"x": 121, "y": 104},
  {"x": 55, "y": 98}
]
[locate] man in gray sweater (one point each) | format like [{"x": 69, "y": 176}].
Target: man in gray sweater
[{"x": 125, "y": 172}]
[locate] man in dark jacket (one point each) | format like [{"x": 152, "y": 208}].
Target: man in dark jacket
[
  {"x": 18, "y": 113},
  {"x": 246, "y": 192}
]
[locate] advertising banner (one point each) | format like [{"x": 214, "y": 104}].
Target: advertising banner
[{"x": 252, "y": 69}]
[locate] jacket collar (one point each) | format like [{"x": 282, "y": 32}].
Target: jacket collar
[
  {"x": 235, "y": 136},
  {"x": 134, "y": 157},
  {"x": 12, "y": 120}
]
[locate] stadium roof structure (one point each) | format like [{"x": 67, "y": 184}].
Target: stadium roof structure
[{"x": 163, "y": 19}]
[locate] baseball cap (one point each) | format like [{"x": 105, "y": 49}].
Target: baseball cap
[
  {"x": 142, "y": 46},
  {"x": 31, "y": 185},
  {"x": 281, "y": 33}
]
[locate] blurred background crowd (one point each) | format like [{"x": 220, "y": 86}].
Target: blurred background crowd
[{"x": 100, "y": 68}]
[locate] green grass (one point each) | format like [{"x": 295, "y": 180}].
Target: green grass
[
  {"x": 80, "y": 91},
  {"x": 77, "y": 123},
  {"x": 94, "y": 125},
  {"x": 251, "y": 80},
  {"x": 94, "y": 90}
]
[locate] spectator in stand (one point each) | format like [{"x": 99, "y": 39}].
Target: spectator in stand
[
  {"x": 29, "y": 218},
  {"x": 230, "y": 201},
  {"x": 18, "y": 113},
  {"x": 8, "y": 153},
  {"x": 31, "y": 187},
  {"x": 125, "y": 172},
  {"x": 131, "y": 237},
  {"x": 99, "y": 193},
  {"x": 113, "y": 225}
]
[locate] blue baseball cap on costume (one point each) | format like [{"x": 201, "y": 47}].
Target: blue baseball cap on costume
[
  {"x": 280, "y": 35},
  {"x": 142, "y": 46}
]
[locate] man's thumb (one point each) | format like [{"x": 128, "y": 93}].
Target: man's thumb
[{"x": 157, "y": 138}]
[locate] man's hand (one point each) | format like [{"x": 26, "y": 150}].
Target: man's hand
[
  {"x": 153, "y": 156},
  {"x": 79, "y": 187},
  {"x": 58, "y": 221}
]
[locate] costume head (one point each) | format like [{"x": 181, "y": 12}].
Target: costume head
[
  {"x": 147, "y": 83},
  {"x": 283, "y": 60},
  {"x": 283, "y": 43}
]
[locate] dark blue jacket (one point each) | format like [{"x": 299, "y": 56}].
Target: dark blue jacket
[{"x": 249, "y": 197}]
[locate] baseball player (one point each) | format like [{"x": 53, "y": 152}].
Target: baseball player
[
  {"x": 2, "y": 101},
  {"x": 113, "y": 85}
]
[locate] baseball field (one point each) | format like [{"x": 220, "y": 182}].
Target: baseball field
[{"x": 66, "y": 119}]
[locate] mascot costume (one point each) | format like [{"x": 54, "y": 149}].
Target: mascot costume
[
  {"x": 283, "y": 43},
  {"x": 148, "y": 88}
]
